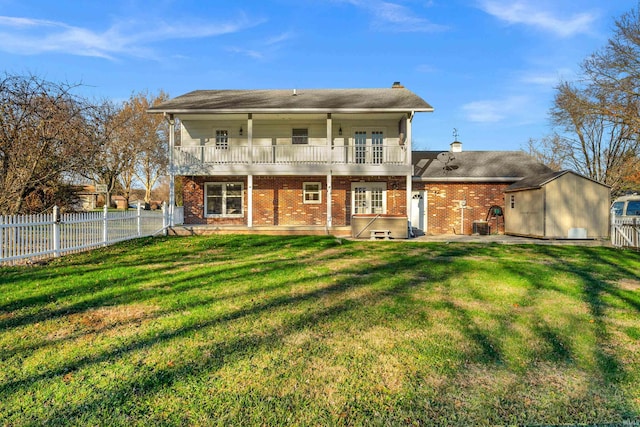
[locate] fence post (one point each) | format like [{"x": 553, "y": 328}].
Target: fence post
[
  {"x": 56, "y": 231},
  {"x": 139, "y": 218},
  {"x": 613, "y": 226},
  {"x": 164, "y": 218},
  {"x": 105, "y": 233},
  {"x": 635, "y": 233}
]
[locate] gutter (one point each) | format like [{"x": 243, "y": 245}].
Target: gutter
[{"x": 289, "y": 110}]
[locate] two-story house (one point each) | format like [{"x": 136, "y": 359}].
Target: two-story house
[{"x": 327, "y": 160}]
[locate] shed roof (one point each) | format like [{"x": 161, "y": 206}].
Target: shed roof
[
  {"x": 475, "y": 166},
  {"x": 300, "y": 100},
  {"x": 538, "y": 181}
]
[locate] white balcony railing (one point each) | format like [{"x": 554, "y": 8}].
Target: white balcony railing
[{"x": 291, "y": 154}]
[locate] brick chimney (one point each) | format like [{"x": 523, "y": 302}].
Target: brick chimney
[{"x": 397, "y": 85}]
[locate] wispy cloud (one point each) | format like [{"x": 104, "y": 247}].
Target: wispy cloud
[
  {"x": 394, "y": 17},
  {"x": 35, "y": 36},
  {"x": 263, "y": 48},
  {"x": 530, "y": 13},
  {"x": 494, "y": 111}
]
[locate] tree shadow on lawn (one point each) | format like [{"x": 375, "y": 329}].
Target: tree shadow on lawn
[
  {"x": 596, "y": 273},
  {"x": 239, "y": 347},
  {"x": 488, "y": 348},
  {"x": 97, "y": 273}
]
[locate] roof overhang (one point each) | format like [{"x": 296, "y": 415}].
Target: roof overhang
[{"x": 289, "y": 111}]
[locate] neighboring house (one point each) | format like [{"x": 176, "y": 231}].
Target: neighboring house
[
  {"x": 558, "y": 205},
  {"x": 324, "y": 160},
  {"x": 454, "y": 189}
]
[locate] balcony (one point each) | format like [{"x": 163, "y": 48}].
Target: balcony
[{"x": 290, "y": 159}]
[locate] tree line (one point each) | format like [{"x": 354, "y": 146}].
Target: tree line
[
  {"x": 51, "y": 138},
  {"x": 596, "y": 118}
]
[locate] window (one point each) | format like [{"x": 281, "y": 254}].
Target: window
[
  {"x": 377, "y": 139},
  {"x": 222, "y": 139},
  {"x": 368, "y": 147},
  {"x": 369, "y": 197},
  {"x": 617, "y": 208},
  {"x": 512, "y": 200},
  {"x": 223, "y": 199},
  {"x": 300, "y": 136},
  {"x": 633, "y": 207},
  {"x": 312, "y": 192}
]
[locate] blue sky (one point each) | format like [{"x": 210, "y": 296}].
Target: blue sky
[{"x": 488, "y": 67}]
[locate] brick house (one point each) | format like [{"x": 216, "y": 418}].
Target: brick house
[
  {"x": 317, "y": 160},
  {"x": 455, "y": 189}
]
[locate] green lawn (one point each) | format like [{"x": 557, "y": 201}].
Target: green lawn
[{"x": 263, "y": 330}]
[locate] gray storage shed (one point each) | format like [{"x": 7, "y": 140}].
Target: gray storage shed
[{"x": 557, "y": 205}]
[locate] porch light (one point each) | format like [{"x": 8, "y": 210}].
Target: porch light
[
  {"x": 340, "y": 131},
  {"x": 240, "y": 132}
]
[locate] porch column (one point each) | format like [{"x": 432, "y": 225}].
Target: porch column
[
  {"x": 172, "y": 176},
  {"x": 409, "y": 198},
  {"x": 249, "y": 201},
  {"x": 329, "y": 137},
  {"x": 408, "y": 145},
  {"x": 250, "y": 136},
  {"x": 329, "y": 210}
]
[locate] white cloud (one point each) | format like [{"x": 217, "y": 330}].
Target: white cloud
[
  {"x": 549, "y": 79},
  {"x": 394, "y": 17},
  {"x": 33, "y": 36},
  {"x": 529, "y": 13},
  {"x": 494, "y": 111}
]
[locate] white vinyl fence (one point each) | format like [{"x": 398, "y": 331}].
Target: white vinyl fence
[
  {"x": 625, "y": 232},
  {"x": 34, "y": 237}
]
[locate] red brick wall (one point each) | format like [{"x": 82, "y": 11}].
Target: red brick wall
[
  {"x": 443, "y": 209},
  {"x": 278, "y": 200}
]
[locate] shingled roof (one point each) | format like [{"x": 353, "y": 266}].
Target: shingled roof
[
  {"x": 475, "y": 166},
  {"x": 300, "y": 100},
  {"x": 538, "y": 181}
]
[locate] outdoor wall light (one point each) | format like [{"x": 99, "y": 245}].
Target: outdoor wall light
[
  {"x": 340, "y": 131},
  {"x": 240, "y": 130}
]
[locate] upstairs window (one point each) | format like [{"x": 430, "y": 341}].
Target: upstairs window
[
  {"x": 222, "y": 139},
  {"x": 300, "y": 136}
]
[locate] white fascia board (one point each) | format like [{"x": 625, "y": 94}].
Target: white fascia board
[{"x": 291, "y": 110}]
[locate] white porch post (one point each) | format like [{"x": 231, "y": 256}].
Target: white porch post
[
  {"x": 250, "y": 136},
  {"x": 329, "y": 198},
  {"x": 329, "y": 137},
  {"x": 408, "y": 146},
  {"x": 172, "y": 176},
  {"x": 249, "y": 201}
]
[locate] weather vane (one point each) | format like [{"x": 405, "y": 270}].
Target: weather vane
[{"x": 455, "y": 134}]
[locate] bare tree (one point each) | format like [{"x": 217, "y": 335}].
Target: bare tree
[
  {"x": 112, "y": 151},
  {"x": 149, "y": 132},
  {"x": 597, "y": 119},
  {"x": 41, "y": 140}
]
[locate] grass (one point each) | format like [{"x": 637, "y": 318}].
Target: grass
[{"x": 263, "y": 330}]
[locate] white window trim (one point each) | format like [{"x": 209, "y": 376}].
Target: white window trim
[
  {"x": 305, "y": 192},
  {"x": 224, "y": 215},
  {"x": 369, "y": 186}
]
